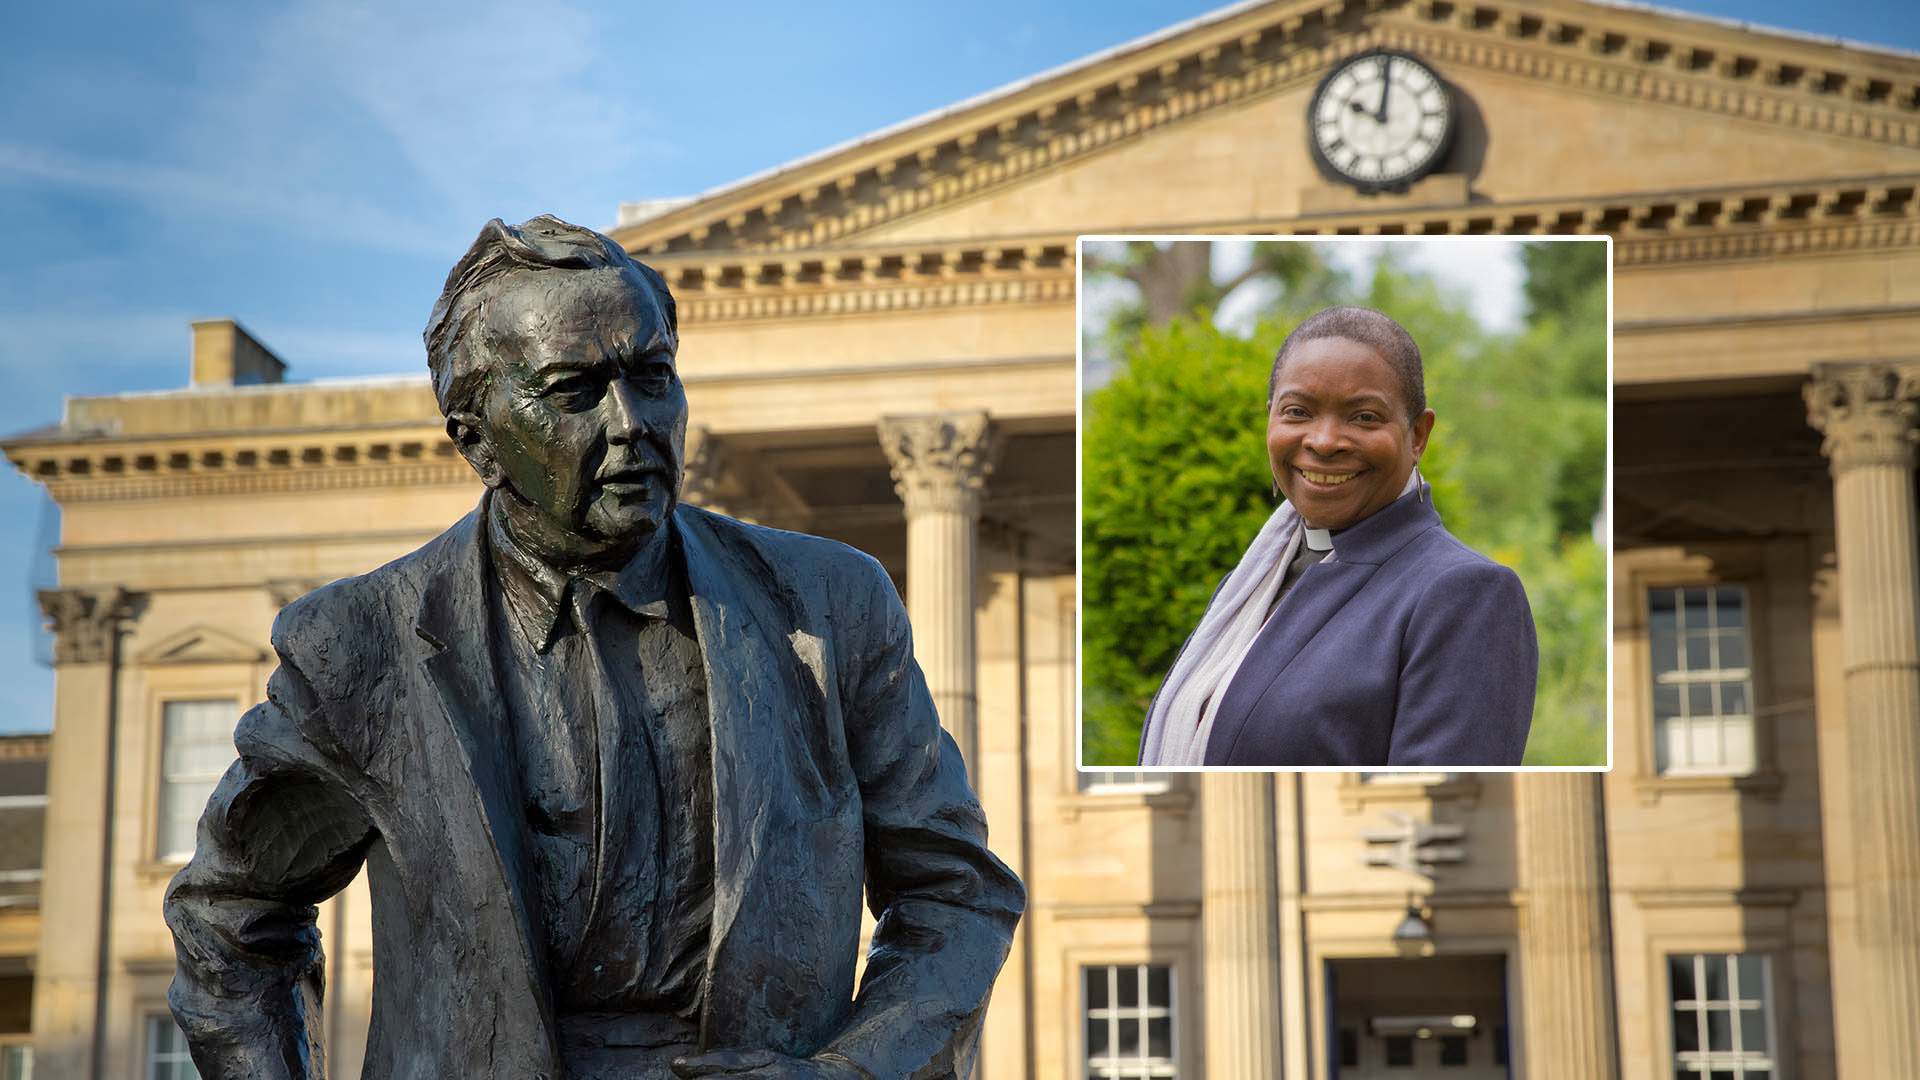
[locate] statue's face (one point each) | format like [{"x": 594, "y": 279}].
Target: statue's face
[{"x": 584, "y": 418}]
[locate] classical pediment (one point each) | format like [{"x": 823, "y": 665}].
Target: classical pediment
[
  {"x": 201, "y": 645},
  {"x": 1200, "y": 127}
]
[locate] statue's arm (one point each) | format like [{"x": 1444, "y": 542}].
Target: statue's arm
[
  {"x": 279, "y": 835},
  {"x": 946, "y": 907}
]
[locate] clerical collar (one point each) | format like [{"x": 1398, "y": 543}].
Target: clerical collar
[
  {"x": 536, "y": 593},
  {"x": 1319, "y": 539}
]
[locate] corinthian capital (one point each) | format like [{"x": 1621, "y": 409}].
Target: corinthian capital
[
  {"x": 84, "y": 621},
  {"x": 1866, "y": 412},
  {"x": 939, "y": 461}
]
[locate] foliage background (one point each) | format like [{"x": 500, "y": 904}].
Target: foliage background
[{"x": 1175, "y": 480}]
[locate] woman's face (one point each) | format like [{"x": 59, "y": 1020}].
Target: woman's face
[{"x": 1338, "y": 434}]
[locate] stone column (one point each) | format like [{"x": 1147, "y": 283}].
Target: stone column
[
  {"x": 940, "y": 465},
  {"x": 69, "y": 998},
  {"x": 1566, "y": 953},
  {"x": 1240, "y": 921},
  {"x": 1867, "y": 414}
]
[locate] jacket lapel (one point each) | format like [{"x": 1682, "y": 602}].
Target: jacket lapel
[
  {"x": 456, "y": 625},
  {"x": 1320, "y": 593},
  {"x": 754, "y": 688}
]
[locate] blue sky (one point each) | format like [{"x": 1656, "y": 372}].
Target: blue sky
[{"x": 313, "y": 168}]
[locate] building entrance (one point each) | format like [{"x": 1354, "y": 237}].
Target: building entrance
[{"x": 1395, "y": 1019}]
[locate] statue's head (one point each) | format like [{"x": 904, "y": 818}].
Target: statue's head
[{"x": 552, "y": 355}]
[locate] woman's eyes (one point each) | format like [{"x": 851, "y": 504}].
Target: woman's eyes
[{"x": 1296, "y": 412}]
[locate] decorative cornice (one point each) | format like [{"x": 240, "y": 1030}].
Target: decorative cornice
[
  {"x": 1866, "y": 413},
  {"x": 940, "y": 462},
  {"x": 84, "y": 622},
  {"x": 1746, "y": 221},
  {"x": 98, "y": 470},
  {"x": 13, "y": 747},
  {"x": 1735, "y": 221},
  {"x": 864, "y": 281},
  {"x": 1008, "y": 139}
]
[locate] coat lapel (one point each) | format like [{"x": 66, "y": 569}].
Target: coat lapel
[
  {"x": 1319, "y": 594},
  {"x": 455, "y": 623},
  {"x": 755, "y": 685}
]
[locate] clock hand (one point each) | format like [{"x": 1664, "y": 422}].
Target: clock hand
[{"x": 1386, "y": 85}]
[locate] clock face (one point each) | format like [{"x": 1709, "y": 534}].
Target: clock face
[{"x": 1381, "y": 120}]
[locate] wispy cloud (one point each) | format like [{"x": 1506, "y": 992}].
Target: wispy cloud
[
  {"x": 480, "y": 102},
  {"x": 330, "y": 214}
]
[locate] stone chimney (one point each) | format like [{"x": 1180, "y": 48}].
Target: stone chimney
[{"x": 224, "y": 354}]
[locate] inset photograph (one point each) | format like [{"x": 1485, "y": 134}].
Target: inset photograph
[{"x": 1343, "y": 502}]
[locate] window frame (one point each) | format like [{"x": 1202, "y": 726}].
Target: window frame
[
  {"x": 1157, "y": 1068},
  {"x": 162, "y": 780},
  {"x": 1637, "y": 570},
  {"x": 1704, "y": 1063},
  {"x": 155, "y": 1023},
  {"x": 1712, "y": 676}
]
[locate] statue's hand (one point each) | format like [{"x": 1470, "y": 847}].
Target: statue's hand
[{"x": 762, "y": 1065}]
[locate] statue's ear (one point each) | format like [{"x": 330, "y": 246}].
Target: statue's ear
[{"x": 470, "y": 436}]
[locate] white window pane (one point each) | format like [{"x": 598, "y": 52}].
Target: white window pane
[
  {"x": 180, "y": 809},
  {"x": 196, "y": 747},
  {"x": 1737, "y": 736},
  {"x": 1670, "y": 751},
  {"x": 197, "y": 737},
  {"x": 1701, "y": 672},
  {"x": 1703, "y": 742}
]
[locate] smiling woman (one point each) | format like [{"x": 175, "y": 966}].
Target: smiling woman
[{"x": 1356, "y": 631}]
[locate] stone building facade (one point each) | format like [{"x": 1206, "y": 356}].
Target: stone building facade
[{"x": 879, "y": 346}]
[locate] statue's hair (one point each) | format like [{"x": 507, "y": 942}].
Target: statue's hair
[
  {"x": 1372, "y": 329},
  {"x": 540, "y": 244}
]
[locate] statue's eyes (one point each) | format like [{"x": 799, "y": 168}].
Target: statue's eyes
[
  {"x": 575, "y": 392},
  {"x": 655, "y": 378}
]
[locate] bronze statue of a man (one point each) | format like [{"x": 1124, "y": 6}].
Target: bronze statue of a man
[{"x": 617, "y": 768}]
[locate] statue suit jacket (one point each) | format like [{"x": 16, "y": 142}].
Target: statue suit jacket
[
  {"x": 382, "y": 741},
  {"x": 1405, "y": 647}
]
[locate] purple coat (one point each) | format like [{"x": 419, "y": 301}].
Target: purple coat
[{"x": 1405, "y": 648}]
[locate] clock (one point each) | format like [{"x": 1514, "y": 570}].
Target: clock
[{"x": 1381, "y": 120}]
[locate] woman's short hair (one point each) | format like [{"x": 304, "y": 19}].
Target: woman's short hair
[
  {"x": 541, "y": 243},
  {"x": 1372, "y": 329}
]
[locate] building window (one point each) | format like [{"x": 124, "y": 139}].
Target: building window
[
  {"x": 16, "y": 1062},
  {"x": 1453, "y": 1050},
  {"x": 1121, "y": 781},
  {"x": 1129, "y": 1021},
  {"x": 1702, "y": 680},
  {"x": 1722, "y": 1024},
  {"x": 196, "y": 746},
  {"x": 167, "y": 1057},
  {"x": 1349, "y": 1048},
  {"x": 1399, "y": 1051}
]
